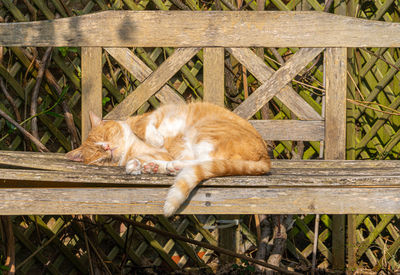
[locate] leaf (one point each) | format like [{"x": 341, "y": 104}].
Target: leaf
[
  {"x": 64, "y": 91},
  {"x": 73, "y": 50},
  {"x": 63, "y": 51},
  {"x": 4, "y": 267},
  {"x": 11, "y": 126},
  {"x": 105, "y": 100},
  {"x": 54, "y": 114}
]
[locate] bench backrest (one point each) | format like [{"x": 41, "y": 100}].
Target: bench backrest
[{"x": 235, "y": 32}]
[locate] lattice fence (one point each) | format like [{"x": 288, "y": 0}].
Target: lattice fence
[{"x": 373, "y": 133}]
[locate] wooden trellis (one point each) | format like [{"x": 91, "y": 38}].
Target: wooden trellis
[
  {"x": 73, "y": 77},
  {"x": 68, "y": 239}
]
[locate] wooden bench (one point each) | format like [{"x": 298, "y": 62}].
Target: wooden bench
[{"x": 43, "y": 183}]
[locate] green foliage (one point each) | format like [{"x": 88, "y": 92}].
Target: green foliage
[
  {"x": 105, "y": 100},
  {"x": 244, "y": 268},
  {"x": 65, "y": 50}
]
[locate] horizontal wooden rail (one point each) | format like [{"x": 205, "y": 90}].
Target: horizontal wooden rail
[
  {"x": 203, "y": 29},
  {"x": 57, "y": 201},
  {"x": 32, "y": 183},
  {"x": 290, "y": 129}
]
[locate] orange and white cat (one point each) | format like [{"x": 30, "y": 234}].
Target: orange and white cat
[{"x": 195, "y": 141}]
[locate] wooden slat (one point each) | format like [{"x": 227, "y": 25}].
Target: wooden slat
[
  {"x": 152, "y": 84},
  {"x": 42, "y": 161},
  {"x": 91, "y": 86},
  {"x": 276, "y": 82},
  {"x": 141, "y": 71},
  {"x": 287, "y": 95},
  {"x": 213, "y": 71},
  {"x": 335, "y": 134},
  {"x": 45, "y": 201},
  {"x": 335, "y": 103},
  {"x": 290, "y": 129},
  {"x": 203, "y": 29},
  {"x": 303, "y": 177}
]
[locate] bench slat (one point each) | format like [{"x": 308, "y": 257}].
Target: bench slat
[
  {"x": 205, "y": 29},
  {"x": 44, "y": 201},
  {"x": 332, "y": 178},
  {"x": 57, "y": 162}
]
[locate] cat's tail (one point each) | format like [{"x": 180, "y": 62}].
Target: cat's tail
[{"x": 190, "y": 176}]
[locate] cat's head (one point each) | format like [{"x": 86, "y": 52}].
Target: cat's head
[{"x": 102, "y": 146}]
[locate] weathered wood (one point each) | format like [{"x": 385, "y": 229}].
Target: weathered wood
[
  {"x": 213, "y": 68},
  {"x": 335, "y": 134},
  {"x": 335, "y": 103},
  {"x": 91, "y": 86},
  {"x": 290, "y": 129},
  {"x": 57, "y": 162},
  {"x": 276, "y": 82},
  {"x": 206, "y": 29},
  {"x": 306, "y": 177},
  {"x": 287, "y": 95},
  {"x": 141, "y": 71},
  {"x": 46, "y": 201},
  {"x": 152, "y": 84}
]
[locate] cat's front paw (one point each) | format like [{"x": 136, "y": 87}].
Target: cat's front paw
[
  {"x": 133, "y": 167},
  {"x": 155, "y": 166},
  {"x": 151, "y": 167}
]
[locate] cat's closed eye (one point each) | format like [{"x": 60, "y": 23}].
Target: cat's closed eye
[{"x": 104, "y": 145}]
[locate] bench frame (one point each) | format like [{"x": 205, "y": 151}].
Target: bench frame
[{"x": 292, "y": 187}]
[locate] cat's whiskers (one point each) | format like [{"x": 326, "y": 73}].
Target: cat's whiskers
[{"x": 97, "y": 160}]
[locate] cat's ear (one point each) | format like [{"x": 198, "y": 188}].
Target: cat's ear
[
  {"x": 94, "y": 119},
  {"x": 75, "y": 155}
]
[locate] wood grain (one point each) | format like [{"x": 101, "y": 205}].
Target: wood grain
[
  {"x": 41, "y": 161},
  {"x": 335, "y": 103},
  {"x": 53, "y": 185},
  {"x": 213, "y": 71},
  {"x": 141, "y": 71},
  {"x": 290, "y": 129},
  {"x": 287, "y": 95},
  {"x": 152, "y": 84},
  {"x": 203, "y": 29},
  {"x": 284, "y": 177},
  {"x": 276, "y": 82},
  {"x": 91, "y": 86},
  {"x": 63, "y": 201}
]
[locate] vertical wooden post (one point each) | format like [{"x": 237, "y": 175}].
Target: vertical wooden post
[
  {"x": 91, "y": 86},
  {"x": 351, "y": 10},
  {"x": 213, "y": 71},
  {"x": 335, "y": 134}
]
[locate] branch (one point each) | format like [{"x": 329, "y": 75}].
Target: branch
[
  {"x": 202, "y": 244},
  {"x": 42, "y": 246},
  {"x": 10, "y": 99},
  {"x": 67, "y": 113},
  {"x": 10, "y": 260},
  {"x": 35, "y": 93},
  {"x": 367, "y": 103},
  {"x": 37, "y": 142}
]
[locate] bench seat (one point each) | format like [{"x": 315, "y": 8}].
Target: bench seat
[{"x": 46, "y": 183}]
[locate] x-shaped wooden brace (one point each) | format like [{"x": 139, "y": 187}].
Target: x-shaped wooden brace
[{"x": 274, "y": 83}]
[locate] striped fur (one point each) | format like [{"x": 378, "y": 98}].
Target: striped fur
[{"x": 195, "y": 142}]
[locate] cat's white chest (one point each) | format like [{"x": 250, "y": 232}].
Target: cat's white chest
[{"x": 172, "y": 126}]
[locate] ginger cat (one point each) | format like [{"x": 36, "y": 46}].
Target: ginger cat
[{"x": 195, "y": 142}]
